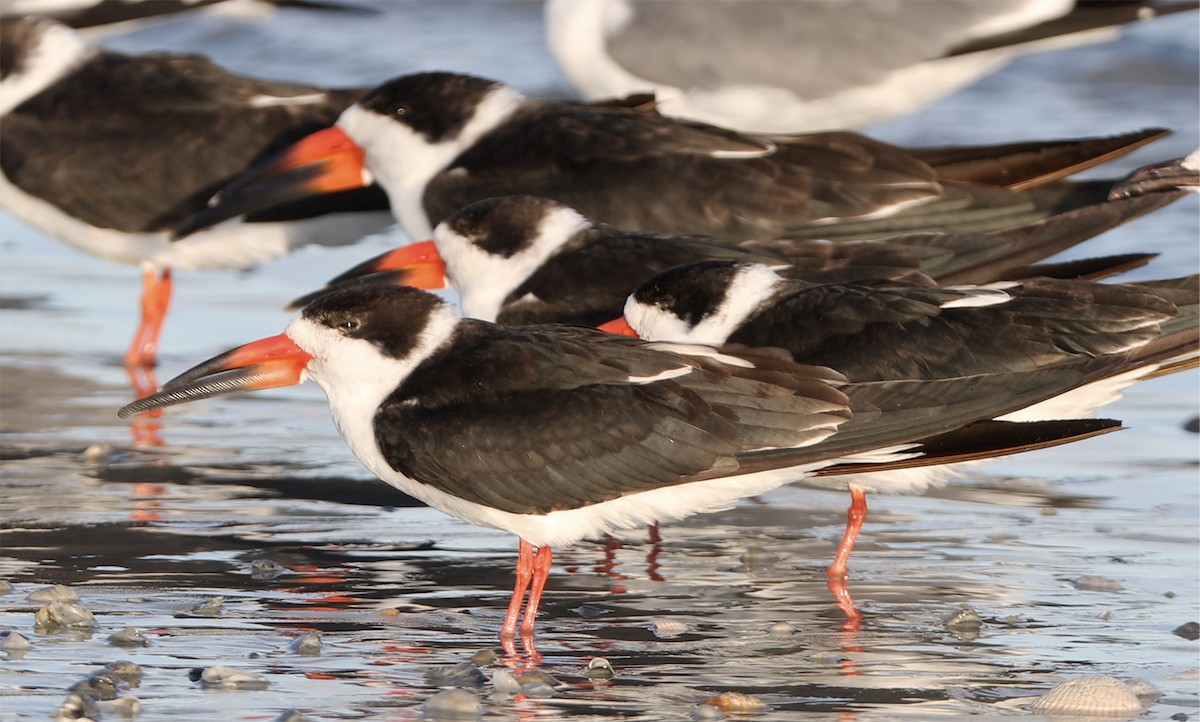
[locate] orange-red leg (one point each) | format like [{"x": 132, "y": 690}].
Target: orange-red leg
[
  {"x": 855, "y": 516},
  {"x": 541, "y": 572},
  {"x": 156, "y": 299},
  {"x": 524, "y": 574}
]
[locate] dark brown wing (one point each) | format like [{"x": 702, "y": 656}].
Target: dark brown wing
[
  {"x": 139, "y": 143},
  {"x": 639, "y": 171},
  {"x": 542, "y": 414},
  {"x": 906, "y": 331}
]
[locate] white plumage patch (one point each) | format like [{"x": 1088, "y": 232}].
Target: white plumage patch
[
  {"x": 403, "y": 162},
  {"x": 484, "y": 279},
  {"x": 751, "y": 286},
  {"x": 991, "y": 294},
  {"x": 58, "y": 51}
]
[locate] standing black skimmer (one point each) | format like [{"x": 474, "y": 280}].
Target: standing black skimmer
[
  {"x": 804, "y": 65},
  {"x": 439, "y": 141},
  {"x": 1179, "y": 174},
  {"x": 904, "y": 331},
  {"x": 108, "y": 152},
  {"x": 557, "y": 433},
  {"x": 523, "y": 259}
]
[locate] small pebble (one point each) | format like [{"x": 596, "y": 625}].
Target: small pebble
[
  {"x": 1187, "y": 630},
  {"x": 504, "y": 682},
  {"x": 308, "y": 645},
  {"x": 484, "y": 657},
  {"x": 129, "y": 672},
  {"x": 1105, "y": 615},
  {"x": 591, "y": 611},
  {"x": 389, "y": 612},
  {"x": 667, "y": 628},
  {"x": 1145, "y": 690},
  {"x": 462, "y": 674},
  {"x": 825, "y": 659},
  {"x": 128, "y": 637},
  {"x": 964, "y": 619},
  {"x": 56, "y": 593},
  {"x": 536, "y": 683},
  {"x": 1192, "y": 425},
  {"x": 266, "y": 569},
  {"x": 707, "y": 713},
  {"x": 598, "y": 668},
  {"x": 1169, "y": 595},
  {"x": 101, "y": 686},
  {"x": 77, "y": 706},
  {"x": 452, "y": 704},
  {"x": 6, "y": 586},
  {"x": 1095, "y": 697},
  {"x": 56, "y": 615},
  {"x": 782, "y": 629},
  {"x": 290, "y": 715},
  {"x": 128, "y": 706},
  {"x": 1180, "y": 717},
  {"x": 221, "y": 676},
  {"x": 14, "y": 641},
  {"x": 757, "y": 559},
  {"x": 208, "y": 608},
  {"x": 1049, "y": 511},
  {"x": 737, "y": 703},
  {"x": 1095, "y": 583},
  {"x": 97, "y": 453}
]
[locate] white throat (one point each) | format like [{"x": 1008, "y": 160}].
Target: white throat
[
  {"x": 60, "y": 49},
  {"x": 403, "y": 162},
  {"x": 751, "y": 286},
  {"x": 484, "y": 279}
]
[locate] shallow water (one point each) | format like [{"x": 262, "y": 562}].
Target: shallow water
[{"x": 397, "y": 590}]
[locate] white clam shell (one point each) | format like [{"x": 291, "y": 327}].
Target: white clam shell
[{"x": 1095, "y": 697}]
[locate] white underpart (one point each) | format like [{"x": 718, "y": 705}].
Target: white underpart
[
  {"x": 577, "y": 32},
  {"x": 232, "y": 244},
  {"x": 484, "y": 279},
  {"x": 750, "y": 287},
  {"x": 403, "y": 162},
  {"x": 59, "y": 51}
]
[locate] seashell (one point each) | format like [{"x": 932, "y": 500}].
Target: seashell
[
  {"x": 667, "y": 628},
  {"x": 461, "y": 674},
  {"x": 598, "y": 668},
  {"x": 56, "y": 593},
  {"x": 1094, "y": 583},
  {"x": 452, "y": 704},
  {"x": 14, "y": 641},
  {"x": 484, "y": 657},
  {"x": 737, "y": 703},
  {"x": 307, "y": 644},
  {"x": 219, "y": 675},
  {"x": 128, "y": 637},
  {"x": 1094, "y": 696},
  {"x": 128, "y": 706},
  {"x": 63, "y": 614},
  {"x": 504, "y": 682}
]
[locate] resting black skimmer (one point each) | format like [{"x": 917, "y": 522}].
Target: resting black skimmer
[
  {"x": 523, "y": 259},
  {"x": 804, "y": 65},
  {"x": 108, "y": 152},
  {"x": 903, "y": 331},
  {"x": 556, "y": 433},
  {"x": 439, "y": 141}
]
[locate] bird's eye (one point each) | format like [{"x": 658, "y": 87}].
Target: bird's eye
[
  {"x": 350, "y": 324},
  {"x": 401, "y": 110}
]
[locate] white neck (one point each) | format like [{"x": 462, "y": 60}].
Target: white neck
[
  {"x": 403, "y": 162},
  {"x": 484, "y": 280},
  {"x": 751, "y": 286},
  {"x": 59, "y": 50}
]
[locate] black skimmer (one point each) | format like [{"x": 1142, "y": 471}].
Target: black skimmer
[
  {"x": 804, "y": 65},
  {"x": 108, "y": 152},
  {"x": 439, "y": 141},
  {"x": 897, "y": 331},
  {"x": 556, "y": 433},
  {"x": 523, "y": 259},
  {"x": 1178, "y": 174}
]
